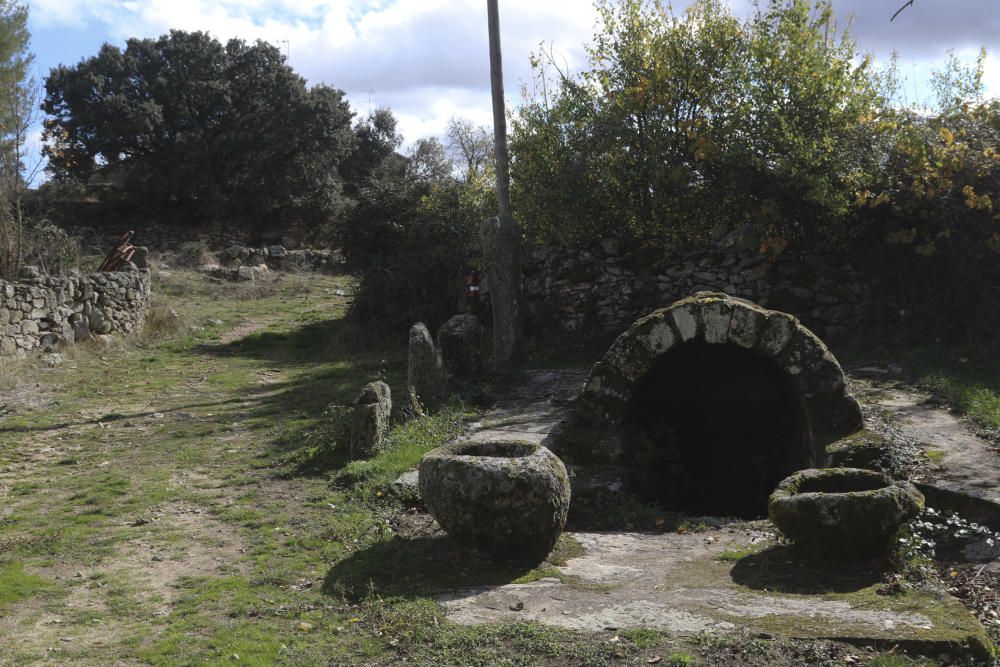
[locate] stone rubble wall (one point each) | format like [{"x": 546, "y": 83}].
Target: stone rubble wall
[
  {"x": 279, "y": 258},
  {"x": 598, "y": 291},
  {"x": 162, "y": 237},
  {"x": 42, "y": 313}
]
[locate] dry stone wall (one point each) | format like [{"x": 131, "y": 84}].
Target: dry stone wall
[
  {"x": 279, "y": 258},
  {"x": 41, "y": 313},
  {"x": 599, "y": 290},
  {"x": 161, "y": 237}
]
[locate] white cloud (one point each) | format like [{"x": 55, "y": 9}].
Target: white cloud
[{"x": 428, "y": 59}]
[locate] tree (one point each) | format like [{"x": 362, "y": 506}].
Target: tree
[
  {"x": 469, "y": 146},
  {"x": 207, "y": 130},
  {"x": 428, "y": 161},
  {"x": 410, "y": 237},
  {"x": 18, "y": 115},
  {"x": 686, "y": 124},
  {"x": 377, "y": 141}
]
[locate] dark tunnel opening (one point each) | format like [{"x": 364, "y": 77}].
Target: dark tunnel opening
[{"x": 712, "y": 429}]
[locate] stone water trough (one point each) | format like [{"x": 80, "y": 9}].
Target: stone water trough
[{"x": 710, "y": 403}]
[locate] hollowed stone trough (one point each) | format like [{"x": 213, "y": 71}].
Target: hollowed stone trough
[{"x": 710, "y": 403}]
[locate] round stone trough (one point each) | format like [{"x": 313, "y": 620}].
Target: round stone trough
[
  {"x": 507, "y": 497},
  {"x": 845, "y": 513}
]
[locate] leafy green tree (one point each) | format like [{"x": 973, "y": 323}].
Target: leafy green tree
[
  {"x": 931, "y": 210},
  {"x": 683, "y": 124},
  {"x": 377, "y": 141},
  {"x": 18, "y": 88},
  {"x": 208, "y": 130}
]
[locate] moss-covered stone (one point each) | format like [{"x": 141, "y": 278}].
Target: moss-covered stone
[
  {"x": 864, "y": 449},
  {"x": 844, "y": 513},
  {"x": 507, "y": 497}
]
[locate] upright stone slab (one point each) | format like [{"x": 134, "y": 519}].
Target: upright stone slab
[
  {"x": 370, "y": 420},
  {"x": 501, "y": 239},
  {"x": 424, "y": 372},
  {"x": 141, "y": 257},
  {"x": 460, "y": 343}
]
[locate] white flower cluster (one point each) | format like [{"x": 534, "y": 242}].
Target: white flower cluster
[{"x": 933, "y": 527}]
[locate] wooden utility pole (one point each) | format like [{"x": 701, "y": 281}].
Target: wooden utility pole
[
  {"x": 501, "y": 236},
  {"x": 499, "y": 111}
]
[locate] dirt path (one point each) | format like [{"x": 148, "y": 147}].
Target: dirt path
[{"x": 136, "y": 481}]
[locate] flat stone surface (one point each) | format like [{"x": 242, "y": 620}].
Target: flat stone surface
[
  {"x": 678, "y": 583},
  {"x": 968, "y": 464},
  {"x": 533, "y": 411}
]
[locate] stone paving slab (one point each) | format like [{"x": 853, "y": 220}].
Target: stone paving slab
[
  {"x": 689, "y": 584},
  {"x": 968, "y": 463},
  {"x": 534, "y": 410}
]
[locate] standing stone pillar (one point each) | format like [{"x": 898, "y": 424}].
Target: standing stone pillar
[
  {"x": 501, "y": 239},
  {"x": 424, "y": 371}
]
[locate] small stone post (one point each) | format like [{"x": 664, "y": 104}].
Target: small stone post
[{"x": 370, "y": 420}]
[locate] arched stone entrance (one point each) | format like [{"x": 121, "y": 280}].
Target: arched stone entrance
[{"x": 711, "y": 402}]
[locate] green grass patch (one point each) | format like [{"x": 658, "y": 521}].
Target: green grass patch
[
  {"x": 679, "y": 659},
  {"x": 935, "y": 456},
  {"x": 16, "y": 584},
  {"x": 733, "y": 555}
]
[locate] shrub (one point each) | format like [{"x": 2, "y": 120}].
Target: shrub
[{"x": 410, "y": 240}]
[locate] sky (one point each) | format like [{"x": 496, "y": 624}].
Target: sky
[{"x": 428, "y": 60}]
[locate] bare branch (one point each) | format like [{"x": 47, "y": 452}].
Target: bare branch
[{"x": 900, "y": 10}]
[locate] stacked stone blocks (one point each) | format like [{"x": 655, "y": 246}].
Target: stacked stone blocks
[{"x": 43, "y": 312}]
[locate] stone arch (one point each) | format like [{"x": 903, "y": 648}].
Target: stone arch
[{"x": 669, "y": 340}]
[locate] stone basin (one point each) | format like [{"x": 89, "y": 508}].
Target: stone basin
[
  {"x": 509, "y": 498},
  {"x": 845, "y": 513}
]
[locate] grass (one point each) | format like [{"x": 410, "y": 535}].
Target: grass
[
  {"x": 969, "y": 392},
  {"x": 16, "y": 584},
  {"x": 733, "y": 555},
  {"x": 968, "y": 380},
  {"x": 180, "y": 498}
]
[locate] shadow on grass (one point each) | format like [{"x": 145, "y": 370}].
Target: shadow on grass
[
  {"x": 413, "y": 567},
  {"x": 330, "y": 339},
  {"x": 113, "y": 417},
  {"x": 783, "y": 569},
  {"x": 328, "y": 361}
]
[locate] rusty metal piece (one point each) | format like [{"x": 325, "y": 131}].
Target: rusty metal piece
[{"x": 120, "y": 254}]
